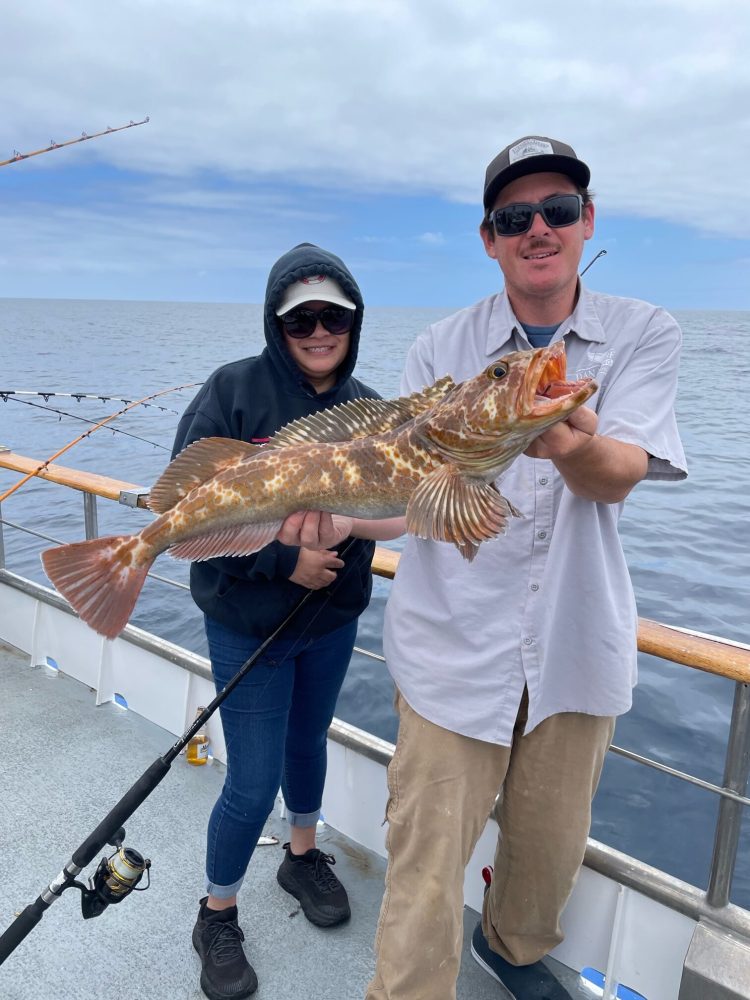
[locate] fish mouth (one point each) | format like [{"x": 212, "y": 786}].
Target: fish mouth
[{"x": 546, "y": 389}]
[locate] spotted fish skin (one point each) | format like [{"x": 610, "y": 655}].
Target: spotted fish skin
[{"x": 433, "y": 456}]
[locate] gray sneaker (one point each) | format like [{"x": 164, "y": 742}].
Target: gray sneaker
[
  {"x": 308, "y": 877},
  {"x": 523, "y": 982}
]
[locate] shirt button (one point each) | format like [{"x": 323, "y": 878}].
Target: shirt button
[
  {"x": 543, "y": 481},
  {"x": 534, "y": 586},
  {"x": 528, "y": 640},
  {"x": 541, "y": 534}
]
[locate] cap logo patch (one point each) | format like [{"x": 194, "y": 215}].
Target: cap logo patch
[
  {"x": 529, "y": 147},
  {"x": 313, "y": 279}
]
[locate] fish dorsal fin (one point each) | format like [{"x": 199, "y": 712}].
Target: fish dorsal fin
[
  {"x": 426, "y": 398},
  {"x": 360, "y": 418},
  {"x": 199, "y": 462},
  {"x": 452, "y": 507}
]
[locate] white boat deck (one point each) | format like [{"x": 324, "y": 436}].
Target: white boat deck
[{"x": 65, "y": 763}]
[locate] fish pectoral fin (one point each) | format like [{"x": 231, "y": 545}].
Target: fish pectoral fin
[
  {"x": 450, "y": 506},
  {"x": 242, "y": 540},
  {"x": 360, "y": 418},
  {"x": 199, "y": 462}
]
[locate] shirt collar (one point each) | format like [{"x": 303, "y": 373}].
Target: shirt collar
[{"x": 504, "y": 330}]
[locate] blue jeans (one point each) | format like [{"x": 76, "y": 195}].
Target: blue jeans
[{"x": 275, "y": 727}]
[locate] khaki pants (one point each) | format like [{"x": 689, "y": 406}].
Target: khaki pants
[{"x": 443, "y": 787}]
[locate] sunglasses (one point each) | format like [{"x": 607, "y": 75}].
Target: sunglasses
[
  {"x": 558, "y": 211},
  {"x": 301, "y": 323}
]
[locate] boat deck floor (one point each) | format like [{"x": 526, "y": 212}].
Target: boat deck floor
[{"x": 65, "y": 763}]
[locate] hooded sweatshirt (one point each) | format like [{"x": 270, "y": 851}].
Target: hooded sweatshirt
[{"x": 250, "y": 400}]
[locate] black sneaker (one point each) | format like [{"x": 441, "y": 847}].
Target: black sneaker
[
  {"x": 530, "y": 982},
  {"x": 309, "y": 879},
  {"x": 226, "y": 973}
]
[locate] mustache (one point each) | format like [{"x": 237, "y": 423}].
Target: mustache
[{"x": 538, "y": 245}]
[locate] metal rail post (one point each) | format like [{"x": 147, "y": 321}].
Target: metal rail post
[
  {"x": 90, "y": 517},
  {"x": 736, "y": 773}
]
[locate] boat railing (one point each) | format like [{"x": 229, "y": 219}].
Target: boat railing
[{"x": 712, "y": 654}]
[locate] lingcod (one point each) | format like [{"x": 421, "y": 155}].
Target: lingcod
[{"x": 433, "y": 456}]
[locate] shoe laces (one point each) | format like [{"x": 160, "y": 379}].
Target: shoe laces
[
  {"x": 322, "y": 874},
  {"x": 225, "y": 941}
]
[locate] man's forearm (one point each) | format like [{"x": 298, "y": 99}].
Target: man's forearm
[
  {"x": 603, "y": 470},
  {"x": 383, "y": 530}
]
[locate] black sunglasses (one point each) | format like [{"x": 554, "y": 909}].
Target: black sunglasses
[
  {"x": 558, "y": 211},
  {"x": 300, "y": 323}
]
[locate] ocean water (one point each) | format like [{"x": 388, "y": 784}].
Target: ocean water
[{"x": 685, "y": 543}]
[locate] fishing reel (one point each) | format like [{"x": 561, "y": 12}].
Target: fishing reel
[{"x": 115, "y": 878}]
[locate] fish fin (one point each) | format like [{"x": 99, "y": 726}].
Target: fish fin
[
  {"x": 345, "y": 422},
  {"x": 240, "y": 540},
  {"x": 99, "y": 579},
  {"x": 360, "y": 418},
  {"x": 199, "y": 462},
  {"x": 452, "y": 507},
  {"x": 431, "y": 394}
]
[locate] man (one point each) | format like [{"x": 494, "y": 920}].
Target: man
[{"x": 510, "y": 670}]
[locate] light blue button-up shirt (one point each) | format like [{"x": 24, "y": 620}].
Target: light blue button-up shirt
[{"x": 550, "y": 604}]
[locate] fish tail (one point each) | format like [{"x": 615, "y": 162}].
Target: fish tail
[{"x": 100, "y": 578}]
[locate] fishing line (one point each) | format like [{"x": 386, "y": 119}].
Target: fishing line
[
  {"x": 88, "y": 433},
  {"x": 86, "y": 420},
  {"x": 330, "y": 590}
]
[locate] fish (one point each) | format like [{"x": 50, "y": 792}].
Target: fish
[{"x": 433, "y": 456}]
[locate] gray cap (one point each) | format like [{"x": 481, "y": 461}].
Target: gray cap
[{"x": 532, "y": 155}]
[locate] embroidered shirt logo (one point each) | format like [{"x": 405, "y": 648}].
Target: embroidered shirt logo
[{"x": 599, "y": 362}]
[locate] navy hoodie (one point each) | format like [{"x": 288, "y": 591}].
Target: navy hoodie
[{"x": 250, "y": 400}]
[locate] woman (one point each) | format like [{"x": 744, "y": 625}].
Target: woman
[{"x": 275, "y": 722}]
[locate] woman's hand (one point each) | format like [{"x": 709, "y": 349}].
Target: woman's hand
[
  {"x": 314, "y": 529},
  {"x": 316, "y": 569}
]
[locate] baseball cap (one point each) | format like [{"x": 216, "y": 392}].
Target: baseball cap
[
  {"x": 313, "y": 287},
  {"x": 532, "y": 155}
]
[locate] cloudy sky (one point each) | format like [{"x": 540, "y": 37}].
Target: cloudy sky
[{"x": 366, "y": 126}]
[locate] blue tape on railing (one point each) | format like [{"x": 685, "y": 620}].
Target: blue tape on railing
[{"x": 596, "y": 978}]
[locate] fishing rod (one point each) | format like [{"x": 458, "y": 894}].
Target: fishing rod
[
  {"x": 119, "y": 875},
  {"x": 602, "y": 253},
  {"x": 83, "y": 137},
  {"x": 77, "y": 396},
  {"x": 88, "y": 433}
]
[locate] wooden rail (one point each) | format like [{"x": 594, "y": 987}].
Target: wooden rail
[
  {"x": 86, "y": 482},
  {"x": 710, "y": 654}
]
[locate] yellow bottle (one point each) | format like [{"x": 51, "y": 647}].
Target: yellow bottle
[{"x": 197, "y": 748}]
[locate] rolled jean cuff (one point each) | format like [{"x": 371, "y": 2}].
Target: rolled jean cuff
[
  {"x": 302, "y": 819},
  {"x": 223, "y": 891}
]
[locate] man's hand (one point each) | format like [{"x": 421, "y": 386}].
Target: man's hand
[
  {"x": 567, "y": 437},
  {"x": 314, "y": 529},
  {"x": 594, "y": 467},
  {"x": 316, "y": 569}
]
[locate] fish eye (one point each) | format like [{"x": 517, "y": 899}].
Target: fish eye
[{"x": 496, "y": 371}]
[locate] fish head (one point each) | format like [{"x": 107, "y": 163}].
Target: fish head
[{"x": 490, "y": 419}]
